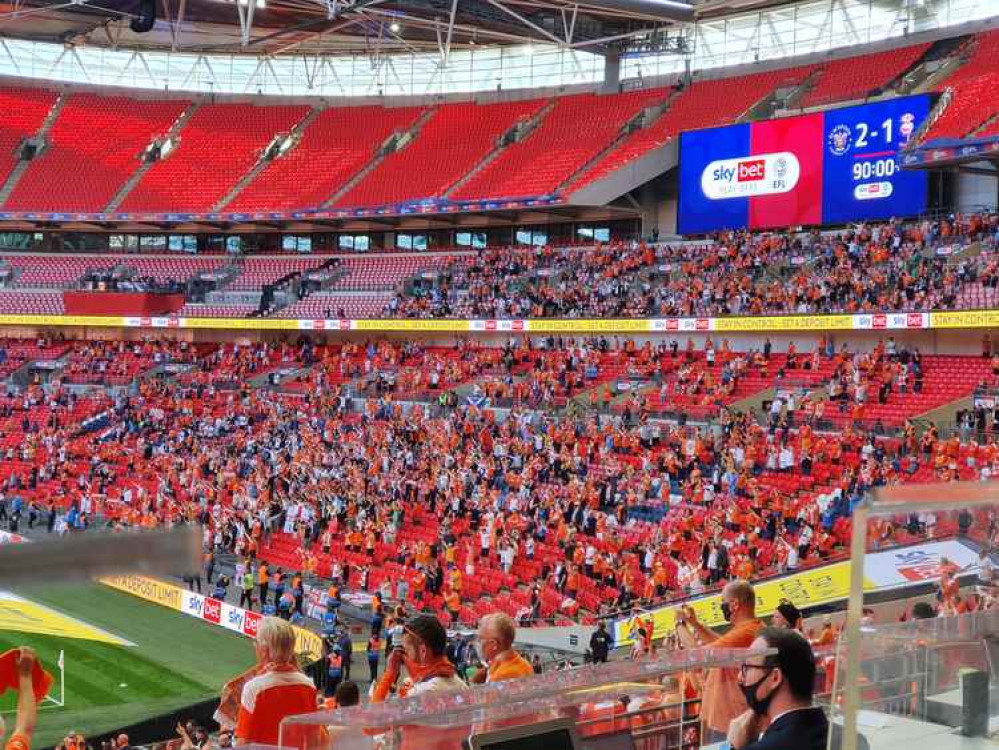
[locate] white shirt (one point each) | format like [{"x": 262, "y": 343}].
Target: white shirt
[
  {"x": 805, "y": 537},
  {"x": 438, "y": 685},
  {"x": 986, "y": 569}
]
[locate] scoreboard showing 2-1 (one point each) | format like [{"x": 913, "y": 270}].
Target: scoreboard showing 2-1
[{"x": 829, "y": 167}]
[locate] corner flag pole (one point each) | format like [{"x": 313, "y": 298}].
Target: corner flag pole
[{"x": 62, "y": 677}]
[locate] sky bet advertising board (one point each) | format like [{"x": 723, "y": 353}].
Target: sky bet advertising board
[{"x": 830, "y": 167}]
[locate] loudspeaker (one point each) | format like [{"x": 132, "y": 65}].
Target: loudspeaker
[
  {"x": 146, "y": 17},
  {"x": 975, "y": 704}
]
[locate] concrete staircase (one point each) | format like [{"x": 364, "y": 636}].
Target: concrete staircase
[
  {"x": 988, "y": 123},
  {"x": 938, "y": 109},
  {"x": 516, "y": 134},
  {"x": 22, "y": 165},
  {"x": 11, "y": 274},
  {"x": 265, "y": 160},
  {"x": 944, "y": 58},
  {"x": 137, "y": 176},
  {"x": 753, "y": 403},
  {"x": 771, "y": 104},
  {"x": 945, "y": 416},
  {"x": 395, "y": 142},
  {"x": 797, "y": 93},
  {"x": 642, "y": 120}
]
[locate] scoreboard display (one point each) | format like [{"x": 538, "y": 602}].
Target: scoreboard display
[{"x": 830, "y": 167}]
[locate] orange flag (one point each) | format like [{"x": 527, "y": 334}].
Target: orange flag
[{"x": 40, "y": 679}]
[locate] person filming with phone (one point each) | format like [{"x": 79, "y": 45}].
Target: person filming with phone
[
  {"x": 423, "y": 653},
  {"x": 722, "y": 699}
]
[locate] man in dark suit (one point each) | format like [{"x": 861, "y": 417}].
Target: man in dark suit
[{"x": 778, "y": 690}]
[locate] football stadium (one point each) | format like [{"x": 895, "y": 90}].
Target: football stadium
[{"x": 499, "y": 374}]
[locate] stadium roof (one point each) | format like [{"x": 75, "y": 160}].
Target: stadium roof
[{"x": 273, "y": 27}]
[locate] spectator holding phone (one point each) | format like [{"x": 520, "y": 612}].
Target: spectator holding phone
[
  {"x": 422, "y": 651},
  {"x": 723, "y": 700}
]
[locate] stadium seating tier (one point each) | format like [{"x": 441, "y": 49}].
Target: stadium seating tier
[
  {"x": 217, "y": 147},
  {"x": 92, "y": 149}
]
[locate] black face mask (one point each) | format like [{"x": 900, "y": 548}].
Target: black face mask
[
  {"x": 756, "y": 705},
  {"x": 726, "y": 609}
]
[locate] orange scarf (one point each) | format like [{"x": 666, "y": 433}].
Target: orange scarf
[{"x": 438, "y": 667}]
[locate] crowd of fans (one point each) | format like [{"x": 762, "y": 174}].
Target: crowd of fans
[
  {"x": 871, "y": 268},
  {"x": 539, "y": 515},
  {"x": 553, "y": 516},
  {"x": 769, "y": 701}
]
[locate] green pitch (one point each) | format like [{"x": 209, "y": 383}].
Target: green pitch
[{"x": 177, "y": 660}]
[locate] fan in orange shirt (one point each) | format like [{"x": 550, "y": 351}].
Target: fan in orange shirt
[
  {"x": 279, "y": 690},
  {"x": 722, "y": 698},
  {"x": 496, "y": 636}
]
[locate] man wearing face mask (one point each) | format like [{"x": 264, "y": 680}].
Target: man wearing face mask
[
  {"x": 422, "y": 652},
  {"x": 778, "y": 690},
  {"x": 722, "y": 699}
]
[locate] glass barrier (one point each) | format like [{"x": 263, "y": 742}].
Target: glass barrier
[
  {"x": 931, "y": 679},
  {"x": 645, "y": 704}
]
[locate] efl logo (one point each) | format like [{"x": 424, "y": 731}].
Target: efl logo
[
  {"x": 146, "y": 322},
  {"x": 879, "y": 321},
  {"x": 750, "y": 176},
  {"x": 702, "y": 324},
  {"x": 518, "y": 325},
  {"x": 491, "y": 325},
  {"x": 914, "y": 320},
  {"x": 173, "y": 322},
  {"x": 212, "y": 611},
  {"x": 673, "y": 324},
  {"x": 318, "y": 325}
]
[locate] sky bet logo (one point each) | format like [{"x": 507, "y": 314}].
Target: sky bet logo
[
  {"x": 749, "y": 176},
  {"x": 212, "y": 610},
  {"x": 744, "y": 171}
]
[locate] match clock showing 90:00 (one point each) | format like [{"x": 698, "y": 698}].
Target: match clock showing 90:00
[
  {"x": 863, "y": 177},
  {"x": 836, "y": 166}
]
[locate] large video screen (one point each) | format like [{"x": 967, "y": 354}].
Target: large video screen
[{"x": 829, "y": 167}]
